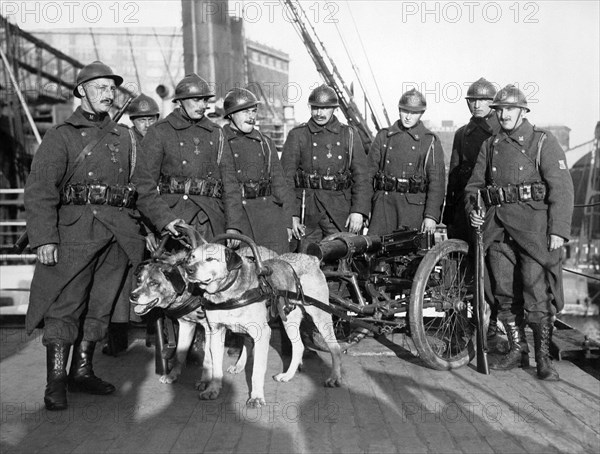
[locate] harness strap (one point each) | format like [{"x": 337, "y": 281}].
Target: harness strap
[
  {"x": 192, "y": 303},
  {"x": 251, "y": 296}
]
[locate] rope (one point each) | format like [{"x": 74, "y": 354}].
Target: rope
[
  {"x": 582, "y": 274},
  {"x": 587, "y": 205},
  {"x": 368, "y": 64}
]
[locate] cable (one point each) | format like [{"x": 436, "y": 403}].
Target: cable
[{"x": 369, "y": 64}]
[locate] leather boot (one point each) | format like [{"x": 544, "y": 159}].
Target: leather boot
[
  {"x": 81, "y": 375},
  {"x": 118, "y": 340},
  {"x": 55, "y": 396},
  {"x": 518, "y": 355},
  {"x": 542, "y": 336}
]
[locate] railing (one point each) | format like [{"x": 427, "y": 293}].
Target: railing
[{"x": 11, "y": 228}]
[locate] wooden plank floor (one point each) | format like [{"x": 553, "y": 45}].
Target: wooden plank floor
[{"x": 388, "y": 404}]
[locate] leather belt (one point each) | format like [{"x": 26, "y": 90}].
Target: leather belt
[
  {"x": 209, "y": 187},
  {"x": 497, "y": 195},
  {"x": 98, "y": 194}
]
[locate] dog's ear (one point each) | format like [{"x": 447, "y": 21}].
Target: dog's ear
[
  {"x": 233, "y": 260},
  {"x": 175, "y": 278}
]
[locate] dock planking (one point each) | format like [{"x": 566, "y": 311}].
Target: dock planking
[{"x": 390, "y": 402}]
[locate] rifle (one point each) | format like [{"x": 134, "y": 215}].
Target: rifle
[
  {"x": 482, "y": 363},
  {"x": 23, "y": 240}
]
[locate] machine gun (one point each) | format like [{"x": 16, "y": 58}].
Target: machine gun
[
  {"x": 402, "y": 282},
  {"x": 398, "y": 243}
]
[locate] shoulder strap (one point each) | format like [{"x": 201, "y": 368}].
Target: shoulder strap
[
  {"x": 82, "y": 154},
  {"x": 427, "y": 156},
  {"x": 539, "y": 151},
  {"x": 220, "y": 152},
  {"x": 133, "y": 156},
  {"x": 350, "y": 145}
]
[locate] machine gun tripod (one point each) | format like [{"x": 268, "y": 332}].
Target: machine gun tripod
[{"x": 403, "y": 282}]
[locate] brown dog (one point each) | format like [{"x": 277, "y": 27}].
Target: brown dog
[
  {"x": 163, "y": 283},
  {"x": 228, "y": 280}
]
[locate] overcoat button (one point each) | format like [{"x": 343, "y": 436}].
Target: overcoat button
[{"x": 185, "y": 197}]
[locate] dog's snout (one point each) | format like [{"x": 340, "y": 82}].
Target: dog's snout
[
  {"x": 133, "y": 296},
  {"x": 190, "y": 269}
]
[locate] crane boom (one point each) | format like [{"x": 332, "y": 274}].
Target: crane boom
[{"x": 330, "y": 73}]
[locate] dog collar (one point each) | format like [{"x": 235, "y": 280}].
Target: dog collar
[{"x": 192, "y": 303}]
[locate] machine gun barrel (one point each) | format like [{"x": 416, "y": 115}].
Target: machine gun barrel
[
  {"x": 400, "y": 242},
  {"x": 346, "y": 246}
]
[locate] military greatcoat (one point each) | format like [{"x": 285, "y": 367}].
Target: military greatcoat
[
  {"x": 511, "y": 158},
  {"x": 178, "y": 147},
  {"x": 96, "y": 243},
  {"x": 404, "y": 153},
  {"x": 267, "y": 217},
  {"x": 465, "y": 149},
  {"x": 326, "y": 150}
]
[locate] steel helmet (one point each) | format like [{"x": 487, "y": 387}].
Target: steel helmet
[
  {"x": 238, "y": 99},
  {"x": 143, "y": 106},
  {"x": 413, "y": 101},
  {"x": 192, "y": 86},
  {"x": 323, "y": 96},
  {"x": 510, "y": 96},
  {"x": 95, "y": 70},
  {"x": 481, "y": 89}
]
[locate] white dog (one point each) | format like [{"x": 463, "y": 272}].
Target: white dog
[{"x": 233, "y": 290}]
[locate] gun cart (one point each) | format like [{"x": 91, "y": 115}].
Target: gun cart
[{"x": 402, "y": 282}]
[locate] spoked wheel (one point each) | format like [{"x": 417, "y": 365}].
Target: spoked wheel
[{"x": 441, "y": 316}]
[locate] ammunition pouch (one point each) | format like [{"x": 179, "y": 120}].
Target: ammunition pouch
[
  {"x": 254, "y": 189},
  {"x": 496, "y": 195},
  {"x": 98, "y": 194},
  {"x": 208, "y": 187},
  {"x": 336, "y": 182},
  {"x": 417, "y": 184},
  {"x": 414, "y": 184}
]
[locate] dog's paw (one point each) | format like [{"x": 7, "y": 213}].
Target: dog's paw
[
  {"x": 235, "y": 369},
  {"x": 201, "y": 385},
  {"x": 283, "y": 377},
  {"x": 256, "y": 402},
  {"x": 333, "y": 382},
  {"x": 209, "y": 393},
  {"x": 168, "y": 379}
]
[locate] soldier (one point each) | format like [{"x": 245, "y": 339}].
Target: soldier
[
  {"x": 406, "y": 164},
  {"x": 85, "y": 231},
  {"x": 190, "y": 161},
  {"x": 326, "y": 159},
  {"x": 465, "y": 148},
  {"x": 266, "y": 199},
  {"x": 143, "y": 113},
  {"x": 523, "y": 179},
  {"x": 467, "y": 142}
]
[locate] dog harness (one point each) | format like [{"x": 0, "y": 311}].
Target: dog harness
[{"x": 277, "y": 300}]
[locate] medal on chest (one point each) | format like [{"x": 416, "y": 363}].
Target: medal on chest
[
  {"x": 114, "y": 149},
  {"x": 329, "y": 147},
  {"x": 196, "y": 143}
]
